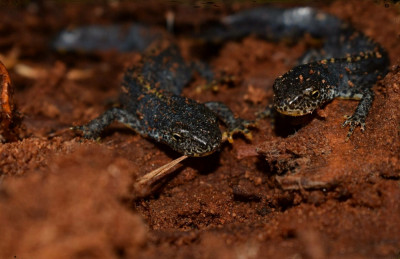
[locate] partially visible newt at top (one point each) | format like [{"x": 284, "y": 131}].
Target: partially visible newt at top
[
  {"x": 346, "y": 66},
  {"x": 152, "y": 106},
  {"x": 90, "y": 38}
]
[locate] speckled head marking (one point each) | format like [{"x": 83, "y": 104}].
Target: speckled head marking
[
  {"x": 303, "y": 89},
  {"x": 189, "y": 127},
  {"x": 184, "y": 139}
]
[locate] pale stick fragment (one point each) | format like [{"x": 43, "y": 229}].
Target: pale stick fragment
[
  {"x": 143, "y": 184},
  {"x": 29, "y": 71},
  {"x": 79, "y": 74},
  {"x": 159, "y": 172},
  {"x": 170, "y": 18}
]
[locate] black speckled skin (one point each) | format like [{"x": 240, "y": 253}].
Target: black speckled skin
[
  {"x": 358, "y": 61},
  {"x": 347, "y": 66},
  {"x": 152, "y": 106},
  {"x": 306, "y": 87}
]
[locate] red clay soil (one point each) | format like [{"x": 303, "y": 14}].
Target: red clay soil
[{"x": 295, "y": 191}]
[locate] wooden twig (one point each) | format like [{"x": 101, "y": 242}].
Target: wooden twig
[{"x": 143, "y": 185}]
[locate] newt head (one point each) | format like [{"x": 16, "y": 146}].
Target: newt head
[
  {"x": 194, "y": 140},
  {"x": 191, "y": 129},
  {"x": 197, "y": 144},
  {"x": 302, "y": 90}
]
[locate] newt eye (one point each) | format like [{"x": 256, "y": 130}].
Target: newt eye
[
  {"x": 315, "y": 94},
  {"x": 176, "y": 136}
]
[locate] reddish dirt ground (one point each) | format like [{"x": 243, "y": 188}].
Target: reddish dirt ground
[{"x": 292, "y": 192}]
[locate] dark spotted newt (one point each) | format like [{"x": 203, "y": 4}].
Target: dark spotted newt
[
  {"x": 152, "y": 106},
  {"x": 346, "y": 66}
]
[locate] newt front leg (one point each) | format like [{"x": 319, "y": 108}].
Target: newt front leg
[
  {"x": 234, "y": 124},
  {"x": 359, "y": 116}
]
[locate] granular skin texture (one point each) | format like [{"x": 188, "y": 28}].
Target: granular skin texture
[
  {"x": 346, "y": 65},
  {"x": 297, "y": 190},
  {"x": 152, "y": 106}
]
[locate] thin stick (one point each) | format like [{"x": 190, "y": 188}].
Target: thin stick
[
  {"x": 144, "y": 185},
  {"x": 159, "y": 172}
]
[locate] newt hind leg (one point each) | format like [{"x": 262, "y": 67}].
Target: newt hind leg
[{"x": 93, "y": 129}]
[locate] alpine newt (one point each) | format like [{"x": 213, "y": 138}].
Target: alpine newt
[
  {"x": 91, "y": 38},
  {"x": 346, "y": 66},
  {"x": 152, "y": 106}
]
